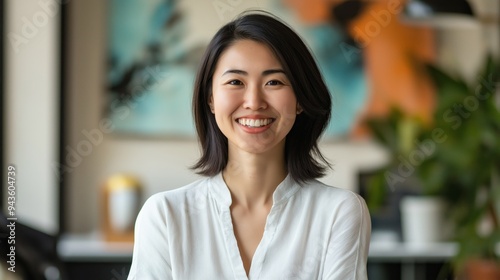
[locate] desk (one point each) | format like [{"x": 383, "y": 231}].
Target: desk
[{"x": 115, "y": 258}]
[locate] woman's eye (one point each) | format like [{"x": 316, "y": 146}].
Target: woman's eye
[
  {"x": 235, "y": 83},
  {"x": 274, "y": 83}
]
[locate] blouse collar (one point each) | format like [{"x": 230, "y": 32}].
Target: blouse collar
[{"x": 287, "y": 188}]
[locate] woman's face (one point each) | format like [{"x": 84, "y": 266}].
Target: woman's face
[{"x": 253, "y": 102}]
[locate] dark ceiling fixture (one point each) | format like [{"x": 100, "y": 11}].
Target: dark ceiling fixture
[
  {"x": 440, "y": 14},
  {"x": 429, "y": 8}
]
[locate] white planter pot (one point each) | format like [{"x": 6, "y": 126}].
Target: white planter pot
[{"x": 422, "y": 219}]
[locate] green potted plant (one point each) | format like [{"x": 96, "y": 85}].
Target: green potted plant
[
  {"x": 462, "y": 163},
  {"x": 467, "y": 166}
]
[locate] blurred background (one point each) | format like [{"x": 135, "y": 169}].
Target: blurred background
[{"x": 96, "y": 117}]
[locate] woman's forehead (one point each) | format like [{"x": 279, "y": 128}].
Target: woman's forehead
[{"x": 247, "y": 55}]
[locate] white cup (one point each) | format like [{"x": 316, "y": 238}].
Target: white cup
[{"x": 122, "y": 208}]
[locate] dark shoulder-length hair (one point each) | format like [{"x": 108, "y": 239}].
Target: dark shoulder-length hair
[{"x": 302, "y": 155}]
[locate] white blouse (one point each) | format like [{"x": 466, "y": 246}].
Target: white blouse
[{"x": 313, "y": 231}]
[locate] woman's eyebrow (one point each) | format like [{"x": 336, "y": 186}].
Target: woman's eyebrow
[
  {"x": 264, "y": 73},
  {"x": 235, "y": 71}
]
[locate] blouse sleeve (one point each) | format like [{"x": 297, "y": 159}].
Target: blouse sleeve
[
  {"x": 151, "y": 257},
  {"x": 347, "y": 251}
]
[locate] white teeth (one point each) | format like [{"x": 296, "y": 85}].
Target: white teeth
[{"x": 254, "y": 122}]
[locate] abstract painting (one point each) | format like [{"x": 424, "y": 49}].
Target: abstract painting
[{"x": 154, "y": 48}]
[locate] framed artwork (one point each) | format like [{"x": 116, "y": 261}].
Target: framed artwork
[{"x": 155, "y": 46}]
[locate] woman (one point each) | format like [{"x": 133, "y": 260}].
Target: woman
[{"x": 260, "y": 105}]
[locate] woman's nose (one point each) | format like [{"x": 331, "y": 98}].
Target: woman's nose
[{"x": 254, "y": 98}]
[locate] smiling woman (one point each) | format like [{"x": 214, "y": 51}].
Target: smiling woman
[
  {"x": 260, "y": 105},
  {"x": 282, "y": 55}
]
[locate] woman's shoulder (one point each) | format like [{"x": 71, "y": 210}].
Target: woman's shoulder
[
  {"x": 331, "y": 195},
  {"x": 318, "y": 187},
  {"x": 335, "y": 204}
]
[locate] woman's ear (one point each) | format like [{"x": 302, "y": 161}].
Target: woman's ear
[
  {"x": 211, "y": 104},
  {"x": 299, "y": 109}
]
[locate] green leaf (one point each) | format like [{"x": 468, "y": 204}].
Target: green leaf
[{"x": 377, "y": 191}]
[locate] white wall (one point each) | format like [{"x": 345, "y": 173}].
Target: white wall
[
  {"x": 32, "y": 109},
  {"x": 465, "y": 45}
]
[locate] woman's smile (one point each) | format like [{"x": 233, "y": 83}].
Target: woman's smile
[{"x": 255, "y": 124}]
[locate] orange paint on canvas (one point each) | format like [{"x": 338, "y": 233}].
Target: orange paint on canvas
[{"x": 393, "y": 54}]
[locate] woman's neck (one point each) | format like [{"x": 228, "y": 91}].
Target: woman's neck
[{"x": 253, "y": 178}]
